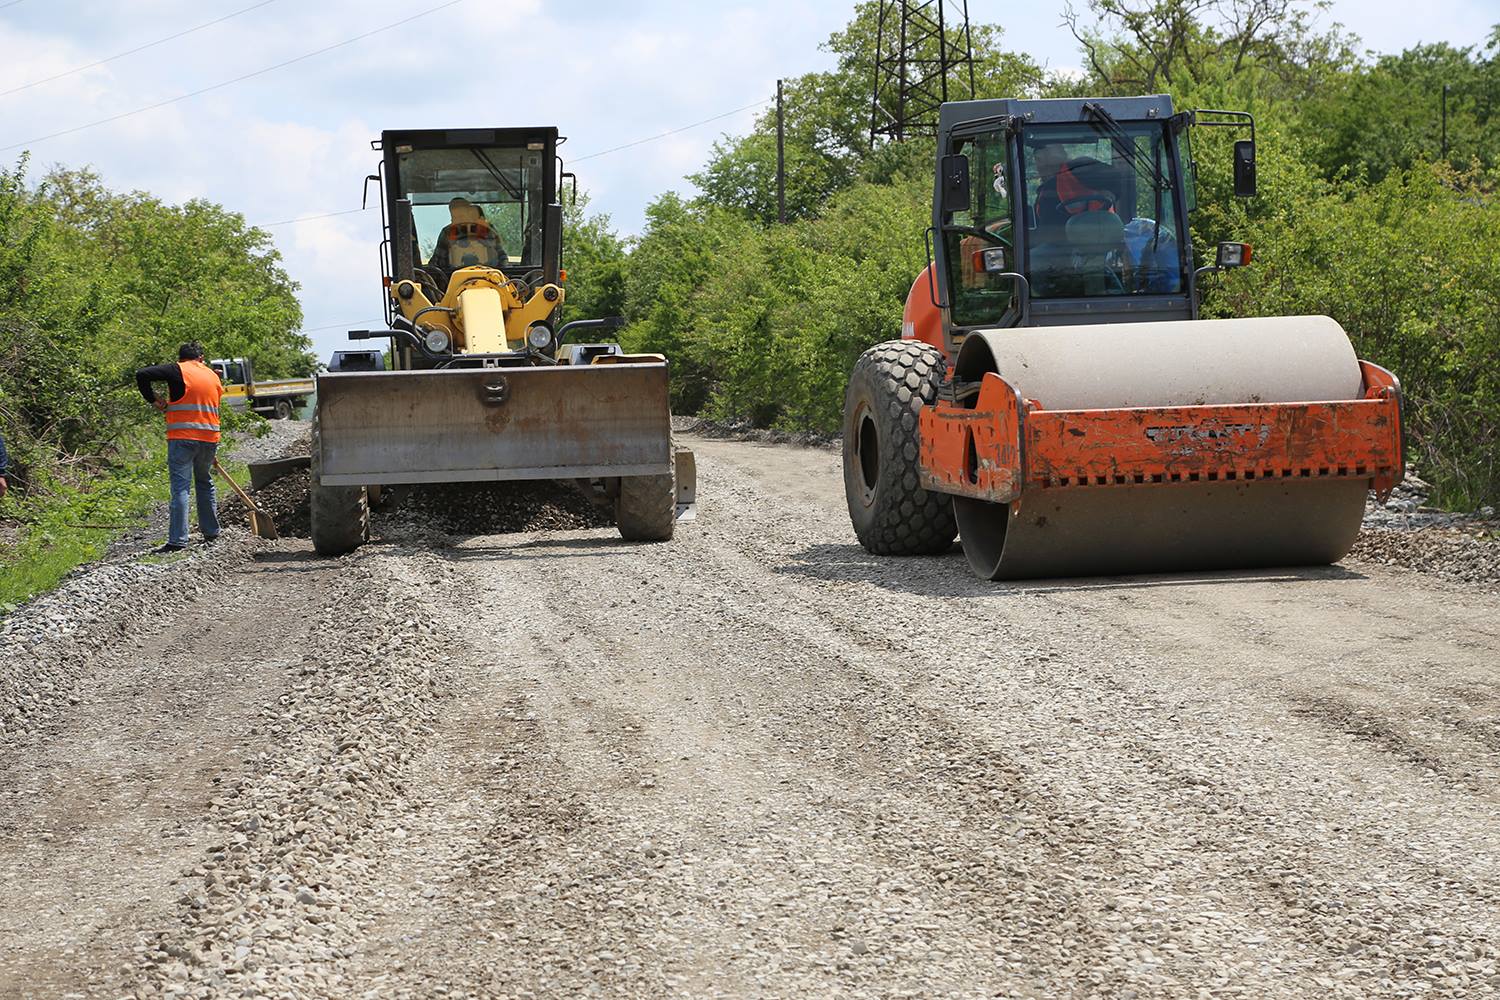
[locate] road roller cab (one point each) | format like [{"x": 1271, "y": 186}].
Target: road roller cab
[{"x": 1055, "y": 400}]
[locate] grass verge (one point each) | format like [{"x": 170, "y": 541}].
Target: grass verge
[{"x": 47, "y": 536}]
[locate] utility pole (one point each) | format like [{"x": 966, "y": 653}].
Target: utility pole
[
  {"x": 780, "y": 157},
  {"x": 1445, "y": 121}
]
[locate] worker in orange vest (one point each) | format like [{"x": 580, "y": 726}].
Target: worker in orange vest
[{"x": 192, "y": 412}]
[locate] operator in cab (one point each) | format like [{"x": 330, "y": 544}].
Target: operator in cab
[{"x": 467, "y": 241}]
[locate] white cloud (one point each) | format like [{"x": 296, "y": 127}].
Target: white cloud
[{"x": 295, "y": 141}]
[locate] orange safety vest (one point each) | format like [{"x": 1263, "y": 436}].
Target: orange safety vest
[{"x": 195, "y": 416}]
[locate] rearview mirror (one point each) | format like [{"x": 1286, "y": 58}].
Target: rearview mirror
[
  {"x": 1244, "y": 168},
  {"x": 955, "y": 177}
]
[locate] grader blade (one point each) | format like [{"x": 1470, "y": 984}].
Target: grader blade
[{"x": 479, "y": 424}]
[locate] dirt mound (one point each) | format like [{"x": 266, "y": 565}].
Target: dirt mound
[{"x": 501, "y": 508}]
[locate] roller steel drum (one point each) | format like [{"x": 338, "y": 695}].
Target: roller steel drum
[{"x": 1073, "y": 531}]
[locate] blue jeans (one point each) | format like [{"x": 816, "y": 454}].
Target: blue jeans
[{"x": 191, "y": 464}]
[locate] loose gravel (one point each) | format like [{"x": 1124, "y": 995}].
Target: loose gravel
[
  {"x": 755, "y": 761},
  {"x": 47, "y": 645},
  {"x": 271, "y": 909},
  {"x": 1405, "y": 532},
  {"x": 287, "y": 501}
]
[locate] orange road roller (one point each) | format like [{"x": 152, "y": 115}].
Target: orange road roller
[{"x": 1056, "y": 403}]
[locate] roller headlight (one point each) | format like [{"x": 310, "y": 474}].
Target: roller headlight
[
  {"x": 436, "y": 340},
  {"x": 539, "y": 337}
]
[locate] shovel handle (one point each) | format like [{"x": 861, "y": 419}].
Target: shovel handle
[{"x": 243, "y": 495}]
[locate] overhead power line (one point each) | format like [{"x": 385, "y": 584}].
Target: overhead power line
[
  {"x": 663, "y": 135},
  {"x": 131, "y": 52},
  {"x": 239, "y": 79},
  {"x": 12, "y": 3},
  {"x": 590, "y": 156},
  {"x": 355, "y": 325},
  {"x": 310, "y": 218}
]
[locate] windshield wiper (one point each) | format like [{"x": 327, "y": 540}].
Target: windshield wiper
[
  {"x": 1107, "y": 125},
  {"x": 496, "y": 173}
]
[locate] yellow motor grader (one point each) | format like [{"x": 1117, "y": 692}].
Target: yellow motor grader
[{"x": 486, "y": 383}]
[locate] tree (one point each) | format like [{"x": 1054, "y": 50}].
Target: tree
[
  {"x": 1267, "y": 49},
  {"x": 594, "y": 257},
  {"x": 827, "y": 121}
]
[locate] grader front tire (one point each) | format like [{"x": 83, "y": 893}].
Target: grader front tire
[
  {"x": 340, "y": 514},
  {"x": 646, "y": 507}
]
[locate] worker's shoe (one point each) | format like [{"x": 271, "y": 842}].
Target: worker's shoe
[
  {"x": 168, "y": 547},
  {"x": 210, "y": 539}
]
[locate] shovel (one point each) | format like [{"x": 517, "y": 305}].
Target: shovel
[{"x": 260, "y": 521}]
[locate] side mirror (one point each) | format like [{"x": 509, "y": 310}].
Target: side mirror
[
  {"x": 954, "y": 171},
  {"x": 1244, "y": 168}
]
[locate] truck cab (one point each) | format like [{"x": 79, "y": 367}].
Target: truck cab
[{"x": 280, "y": 399}]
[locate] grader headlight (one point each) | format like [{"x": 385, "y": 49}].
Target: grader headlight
[{"x": 539, "y": 336}]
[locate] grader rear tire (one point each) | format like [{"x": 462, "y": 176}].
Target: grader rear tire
[
  {"x": 340, "y": 514},
  {"x": 892, "y": 514},
  {"x": 646, "y": 507}
]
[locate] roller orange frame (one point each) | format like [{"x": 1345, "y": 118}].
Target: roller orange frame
[{"x": 1006, "y": 445}]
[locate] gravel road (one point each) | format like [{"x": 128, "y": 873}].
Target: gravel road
[{"x": 752, "y": 762}]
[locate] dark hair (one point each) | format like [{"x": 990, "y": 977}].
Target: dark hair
[{"x": 191, "y": 351}]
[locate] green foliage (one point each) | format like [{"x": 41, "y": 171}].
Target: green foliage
[
  {"x": 93, "y": 285},
  {"x": 1389, "y": 116},
  {"x": 594, "y": 258},
  {"x": 763, "y": 323},
  {"x": 52, "y": 534}
]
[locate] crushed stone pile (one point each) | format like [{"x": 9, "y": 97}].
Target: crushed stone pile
[
  {"x": 287, "y": 501},
  {"x": 1468, "y": 555},
  {"x": 502, "y": 508},
  {"x": 1404, "y": 531},
  {"x": 451, "y": 509}
]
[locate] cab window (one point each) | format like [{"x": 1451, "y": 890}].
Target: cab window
[
  {"x": 978, "y": 297},
  {"x": 1101, "y": 218},
  {"x": 475, "y": 205}
]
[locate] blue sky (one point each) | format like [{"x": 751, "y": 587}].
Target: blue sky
[{"x": 295, "y": 141}]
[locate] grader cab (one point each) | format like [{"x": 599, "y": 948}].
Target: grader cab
[{"x": 486, "y": 382}]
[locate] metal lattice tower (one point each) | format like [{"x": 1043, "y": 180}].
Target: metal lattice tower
[{"x": 921, "y": 48}]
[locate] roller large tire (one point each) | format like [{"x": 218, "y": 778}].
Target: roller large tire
[
  {"x": 646, "y": 508},
  {"x": 892, "y": 514},
  {"x": 340, "y": 514}
]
